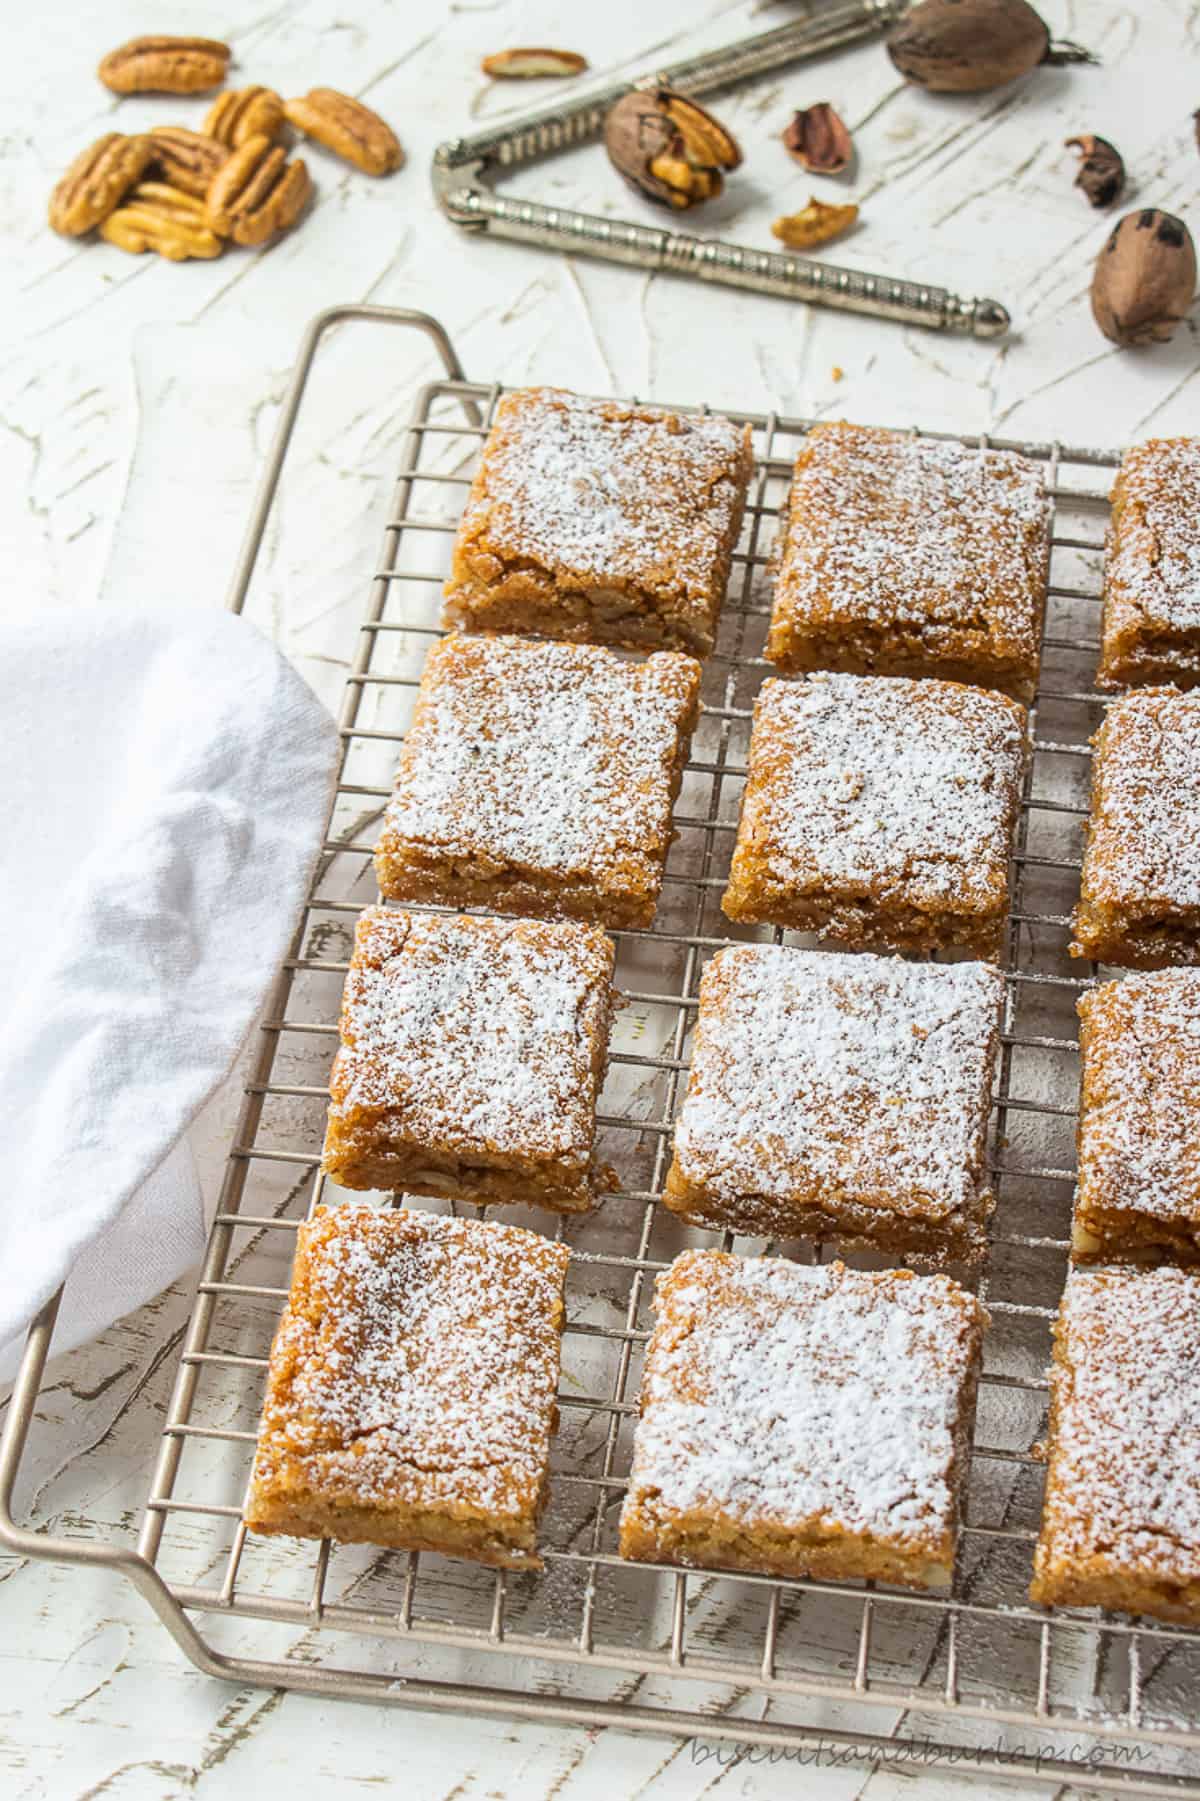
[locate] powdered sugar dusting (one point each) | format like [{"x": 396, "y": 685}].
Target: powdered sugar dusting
[
  {"x": 476, "y": 1035},
  {"x": 601, "y": 492},
  {"x": 864, "y": 1071},
  {"x": 1139, "y": 1142},
  {"x": 1143, "y": 846},
  {"x": 559, "y": 759},
  {"x": 1125, "y": 1459},
  {"x": 858, "y": 781},
  {"x": 784, "y": 1394},
  {"x": 1153, "y": 564},
  {"x": 417, "y": 1361},
  {"x": 907, "y": 531}
]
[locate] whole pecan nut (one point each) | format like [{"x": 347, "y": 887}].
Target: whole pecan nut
[
  {"x": 97, "y": 181},
  {"x": 161, "y": 218},
  {"x": 165, "y": 65},
  {"x": 348, "y": 128},
  {"x": 185, "y": 159},
  {"x": 243, "y": 113},
  {"x": 257, "y": 193}
]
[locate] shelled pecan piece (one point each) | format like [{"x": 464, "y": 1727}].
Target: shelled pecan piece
[
  {"x": 165, "y": 65},
  {"x": 257, "y": 193},
  {"x": 97, "y": 182},
  {"x": 186, "y": 159},
  {"x": 242, "y": 113},
  {"x": 161, "y": 218},
  {"x": 348, "y": 128}
]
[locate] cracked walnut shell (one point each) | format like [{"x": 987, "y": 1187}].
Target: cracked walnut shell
[
  {"x": 348, "y": 128},
  {"x": 158, "y": 217},
  {"x": 165, "y": 65},
  {"x": 97, "y": 182},
  {"x": 257, "y": 193},
  {"x": 185, "y": 159},
  {"x": 242, "y": 113}
]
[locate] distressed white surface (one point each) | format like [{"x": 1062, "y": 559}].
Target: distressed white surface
[{"x": 136, "y": 399}]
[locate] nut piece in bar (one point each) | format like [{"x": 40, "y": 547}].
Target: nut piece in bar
[
  {"x": 1121, "y": 1521},
  {"x": 472, "y": 1055},
  {"x": 591, "y": 519},
  {"x": 411, "y": 1387},
  {"x": 844, "y": 1098},
  {"x": 803, "y": 1420}
]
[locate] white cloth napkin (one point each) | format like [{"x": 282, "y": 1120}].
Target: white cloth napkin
[{"x": 164, "y": 783}]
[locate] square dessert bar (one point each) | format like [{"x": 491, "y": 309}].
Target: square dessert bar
[
  {"x": 840, "y": 1097},
  {"x": 804, "y": 1421},
  {"x": 595, "y": 520},
  {"x": 539, "y": 778},
  {"x": 879, "y": 812},
  {"x": 903, "y": 556},
  {"x": 472, "y": 1054},
  {"x": 1121, "y": 1521},
  {"x": 1138, "y": 1198},
  {"x": 1151, "y": 620},
  {"x": 411, "y": 1388},
  {"x": 1139, "y": 895}
]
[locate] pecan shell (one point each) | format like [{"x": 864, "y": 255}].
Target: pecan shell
[
  {"x": 348, "y": 128},
  {"x": 257, "y": 193},
  {"x": 243, "y": 113},
  {"x": 819, "y": 140},
  {"x": 1101, "y": 169},
  {"x": 185, "y": 159},
  {"x": 158, "y": 217},
  {"x": 165, "y": 65},
  {"x": 97, "y": 182},
  {"x": 669, "y": 148}
]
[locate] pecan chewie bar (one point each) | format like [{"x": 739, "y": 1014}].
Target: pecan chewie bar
[
  {"x": 804, "y": 1421},
  {"x": 1151, "y": 621},
  {"x": 594, "y": 520},
  {"x": 411, "y": 1388}
]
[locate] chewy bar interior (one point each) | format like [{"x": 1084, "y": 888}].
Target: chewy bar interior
[
  {"x": 411, "y": 1388},
  {"x": 600, "y": 521},
  {"x": 804, "y": 1420}
]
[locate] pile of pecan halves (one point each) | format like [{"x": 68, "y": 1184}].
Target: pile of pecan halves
[{"x": 185, "y": 193}]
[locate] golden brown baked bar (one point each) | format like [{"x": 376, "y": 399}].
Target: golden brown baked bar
[
  {"x": 1139, "y": 895},
  {"x": 1138, "y": 1198},
  {"x": 1121, "y": 1522},
  {"x": 879, "y": 812},
  {"x": 594, "y": 520},
  {"x": 904, "y": 556},
  {"x": 410, "y": 1395},
  {"x": 539, "y": 778},
  {"x": 804, "y": 1421},
  {"x": 472, "y": 1055},
  {"x": 1151, "y": 621},
  {"x": 840, "y": 1097}
]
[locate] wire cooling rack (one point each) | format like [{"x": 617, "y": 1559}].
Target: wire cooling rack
[{"x": 980, "y": 1678}]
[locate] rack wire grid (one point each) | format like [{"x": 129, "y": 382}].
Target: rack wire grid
[{"x": 980, "y": 1677}]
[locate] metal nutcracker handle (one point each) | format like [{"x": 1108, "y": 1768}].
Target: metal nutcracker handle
[{"x": 462, "y": 167}]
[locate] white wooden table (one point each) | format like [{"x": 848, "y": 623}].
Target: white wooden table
[{"x": 136, "y": 398}]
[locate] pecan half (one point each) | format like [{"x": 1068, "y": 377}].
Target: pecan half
[
  {"x": 160, "y": 218},
  {"x": 668, "y": 147},
  {"x": 257, "y": 193},
  {"x": 165, "y": 65},
  {"x": 97, "y": 181},
  {"x": 815, "y": 223},
  {"x": 510, "y": 65},
  {"x": 185, "y": 159},
  {"x": 242, "y": 113},
  {"x": 819, "y": 140},
  {"x": 348, "y": 128}
]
